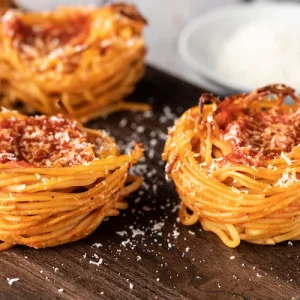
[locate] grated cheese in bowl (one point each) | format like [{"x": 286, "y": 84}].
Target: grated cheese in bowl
[{"x": 260, "y": 53}]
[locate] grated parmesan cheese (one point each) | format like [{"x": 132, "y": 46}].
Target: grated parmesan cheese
[
  {"x": 287, "y": 179},
  {"x": 97, "y": 263},
  {"x": 288, "y": 161},
  {"x": 12, "y": 280},
  {"x": 260, "y": 53}
]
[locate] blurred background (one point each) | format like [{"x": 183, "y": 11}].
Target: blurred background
[{"x": 167, "y": 18}]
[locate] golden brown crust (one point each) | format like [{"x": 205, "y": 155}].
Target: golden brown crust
[{"x": 130, "y": 11}]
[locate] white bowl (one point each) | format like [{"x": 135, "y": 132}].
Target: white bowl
[{"x": 202, "y": 38}]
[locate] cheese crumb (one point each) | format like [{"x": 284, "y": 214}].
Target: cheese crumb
[
  {"x": 97, "y": 245},
  {"x": 12, "y": 280},
  {"x": 97, "y": 263},
  {"x": 288, "y": 161}
]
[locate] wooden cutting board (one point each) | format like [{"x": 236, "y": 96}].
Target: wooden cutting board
[{"x": 145, "y": 253}]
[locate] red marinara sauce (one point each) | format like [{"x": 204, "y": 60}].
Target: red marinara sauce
[
  {"x": 259, "y": 136},
  {"x": 44, "y": 141},
  {"x": 41, "y": 38}
]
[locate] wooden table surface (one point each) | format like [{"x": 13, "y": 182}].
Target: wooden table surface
[{"x": 145, "y": 253}]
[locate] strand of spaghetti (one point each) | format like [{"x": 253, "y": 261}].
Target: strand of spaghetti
[{"x": 227, "y": 233}]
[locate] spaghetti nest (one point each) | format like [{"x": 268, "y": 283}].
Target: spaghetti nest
[
  {"x": 83, "y": 59},
  {"x": 58, "y": 180},
  {"x": 236, "y": 166}
]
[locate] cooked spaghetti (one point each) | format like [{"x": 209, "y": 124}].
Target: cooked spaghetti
[
  {"x": 84, "y": 60},
  {"x": 236, "y": 166},
  {"x": 58, "y": 180}
]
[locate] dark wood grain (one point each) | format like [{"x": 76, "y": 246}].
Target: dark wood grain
[{"x": 159, "y": 265}]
